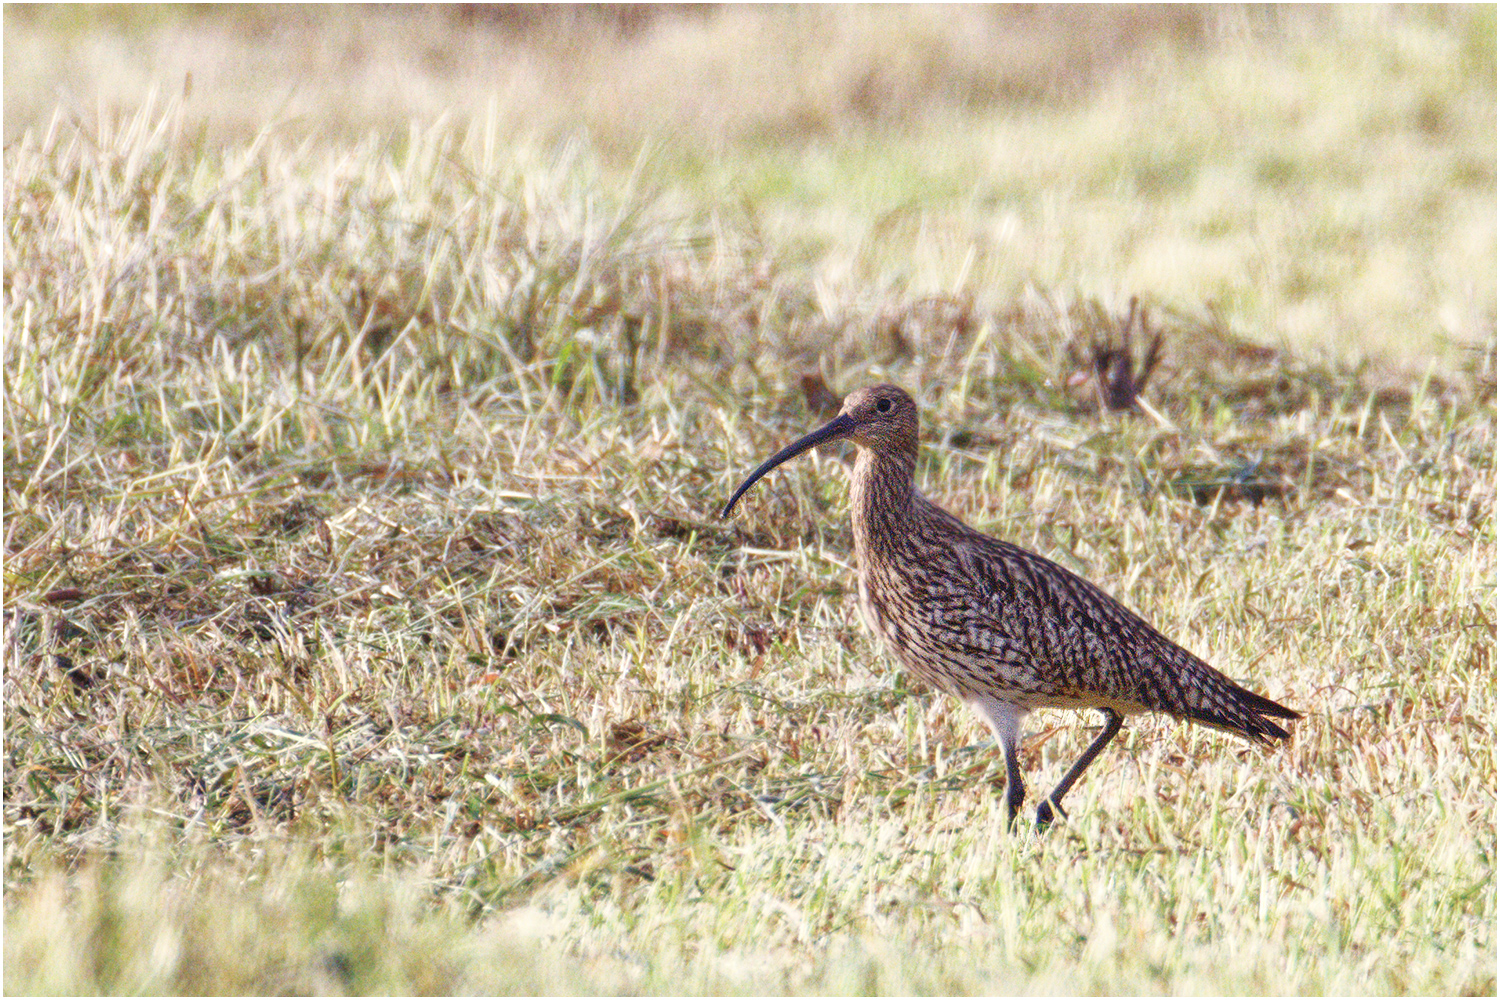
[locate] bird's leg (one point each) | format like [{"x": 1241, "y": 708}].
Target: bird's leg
[
  {"x": 1112, "y": 722},
  {"x": 1015, "y": 786},
  {"x": 1004, "y": 720}
]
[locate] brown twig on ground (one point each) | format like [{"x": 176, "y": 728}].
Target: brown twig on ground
[{"x": 1116, "y": 381}]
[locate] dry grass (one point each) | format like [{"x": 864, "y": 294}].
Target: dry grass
[{"x": 369, "y": 627}]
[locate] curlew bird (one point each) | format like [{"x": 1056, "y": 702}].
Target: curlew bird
[{"x": 1002, "y": 629}]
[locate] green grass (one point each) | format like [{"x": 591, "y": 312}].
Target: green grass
[{"x": 369, "y": 626}]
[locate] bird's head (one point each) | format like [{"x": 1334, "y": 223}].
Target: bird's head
[{"x": 881, "y": 418}]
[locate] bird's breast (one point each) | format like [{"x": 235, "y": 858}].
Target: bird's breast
[{"x": 900, "y": 615}]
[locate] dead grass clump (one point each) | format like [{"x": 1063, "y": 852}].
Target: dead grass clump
[{"x": 1112, "y": 378}]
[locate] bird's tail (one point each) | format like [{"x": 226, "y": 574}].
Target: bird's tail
[{"x": 1219, "y": 702}]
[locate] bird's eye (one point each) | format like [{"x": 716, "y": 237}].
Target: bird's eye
[{"x": 883, "y": 406}]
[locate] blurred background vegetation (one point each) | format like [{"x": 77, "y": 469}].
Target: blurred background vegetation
[{"x": 1324, "y": 175}]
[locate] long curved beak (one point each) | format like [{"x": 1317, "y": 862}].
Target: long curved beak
[{"x": 838, "y": 427}]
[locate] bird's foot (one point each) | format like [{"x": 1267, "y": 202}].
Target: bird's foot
[
  {"x": 1044, "y": 813},
  {"x": 1015, "y": 795}
]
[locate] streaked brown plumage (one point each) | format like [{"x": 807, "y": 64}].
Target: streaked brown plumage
[{"x": 1000, "y": 628}]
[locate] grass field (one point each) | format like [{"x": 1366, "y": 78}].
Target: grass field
[{"x": 373, "y": 379}]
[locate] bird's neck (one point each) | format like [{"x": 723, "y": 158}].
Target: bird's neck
[{"x": 881, "y": 500}]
